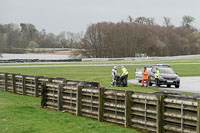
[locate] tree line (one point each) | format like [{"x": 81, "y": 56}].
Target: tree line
[
  {"x": 142, "y": 35},
  {"x": 108, "y": 39},
  {"x": 16, "y": 38}
]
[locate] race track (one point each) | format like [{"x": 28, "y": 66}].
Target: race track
[{"x": 188, "y": 84}]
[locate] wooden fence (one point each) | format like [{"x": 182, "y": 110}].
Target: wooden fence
[
  {"x": 32, "y": 85},
  {"x": 151, "y": 112},
  {"x": 161, "y": 113},
  {"x": 181, "y": 114}
]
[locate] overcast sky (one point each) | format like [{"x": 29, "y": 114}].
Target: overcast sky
[{"x": 75, "y": 15}]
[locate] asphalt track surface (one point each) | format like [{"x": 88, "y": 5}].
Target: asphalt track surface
[{"x": 187, "y": 84}]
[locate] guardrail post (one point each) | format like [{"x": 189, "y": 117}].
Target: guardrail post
[
  {"x": 6, "y": 82},
  {"x": 43, "y": 95},
  {"x": 159, "y": 114},
  {"x": 198, "y": 116},
  {"x": 101, "y": 104},
  {"x": 13, "y": 81},
  {"x": 60, "y": 97},
  {"x": 78, "y": 100},
  {"x": 36, "y": 86},
  {"x": 127, "y": 108}
]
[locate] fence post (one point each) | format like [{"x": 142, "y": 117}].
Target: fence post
[
  {"x": 6, "y": 82},
  {"x": 198, "y": 116},
  {"x": 43, "y": 95},
  {"x": 36, "y": 86},
  {"x": 13, "y": 81},
  {"x": 101, "y": 104},
  {"x": 128, "y": 98},
  {"x": 24, "y": 84},
  {"x": 78, "y": 100},
  {"x": 159, "y": 110},
  {"x": 49, "y": 80},
  {"x": 60, "y": 97}
]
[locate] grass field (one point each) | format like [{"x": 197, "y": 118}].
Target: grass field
[
  {"x": 22, "y": 114},
  {"x": 92, "y": 73},
  {"x": 100, "y": 74}
]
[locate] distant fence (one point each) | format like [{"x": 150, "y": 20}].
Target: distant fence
[
  {"x": 38, "y": 60},
  {"x": 153, "y": 112}
]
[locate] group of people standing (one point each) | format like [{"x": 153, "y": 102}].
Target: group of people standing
[
  {"x": 145, "y": 78},
  {"x": 123, "y": 76}
]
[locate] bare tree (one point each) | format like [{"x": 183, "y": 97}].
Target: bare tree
[
  {"x": 150, "y": 21},
  {"x": 144, "y": 20},
  {"x": 167, "y": 22},
  {"x": 187, "y": 21},
  {"x": 125, "y": 39},
  {"x": 130, "y": 19},
  {"x": 140, "y": 20}
]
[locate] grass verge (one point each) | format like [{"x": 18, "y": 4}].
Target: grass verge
[{"x": 22, "y": 114}]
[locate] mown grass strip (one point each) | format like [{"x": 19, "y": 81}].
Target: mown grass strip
[{"x": 23, "y": 114}]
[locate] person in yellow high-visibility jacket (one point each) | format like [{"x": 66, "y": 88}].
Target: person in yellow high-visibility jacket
[
  {"x": 124, "y": 76},
  {"x": 157, "y": 77}
]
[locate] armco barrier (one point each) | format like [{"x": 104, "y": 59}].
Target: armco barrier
[{"x": 152, "y": 112}]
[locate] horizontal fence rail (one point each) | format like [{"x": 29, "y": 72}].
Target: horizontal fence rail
[{"x": 151, "y": 112}]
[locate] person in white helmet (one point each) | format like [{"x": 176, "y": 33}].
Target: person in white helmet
[{"x": 114, "y": 74}]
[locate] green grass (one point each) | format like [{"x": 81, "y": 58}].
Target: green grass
[
  {"x": 22, "y": 114},
  {"x": 187, "y": 69},
  {"x": 100, "y": 74}
]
